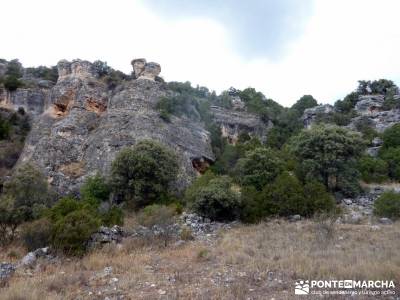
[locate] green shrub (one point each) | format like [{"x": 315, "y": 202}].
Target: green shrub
[
  {"x": 392, "y": 157},
  {"x": 388, "y": 205},
  {"x": 373, "y": 169},
  {"x": 37, "y": 234},
  {"x": 391, "y": 137},
  {"x": 114, "y": 216},
  {"x": 71, "y": 233},
  {"x": 95, "y": 188},
  {"x": 200, "y": 182},
  {"x": 143, "y": 174},
  {"x": 252, "y": 210},
  {"x": 329, "y": 154},
  {"x": 29, "y": 189},
  {"x": 64, "y": 207},
  {"x": 12, "y": 83},
  {"x": 284, "y": 197},
  {"x": 5, "y": 129},
  {"x": 10, "y": 218},
  {"x": 218, "y": 201},
  {"x": 258, "y": 167},
  {"x": 318, "y": 200},
  {"x": 226, "y": 161}
]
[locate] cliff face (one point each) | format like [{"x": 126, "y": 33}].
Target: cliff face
[
  {"x": 369, "y": 108},
  {"x": 81, "y": 125}
]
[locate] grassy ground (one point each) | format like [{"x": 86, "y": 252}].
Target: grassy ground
[{"x": 247, "y": 262}]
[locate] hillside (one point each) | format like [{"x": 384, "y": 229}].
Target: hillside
[{"x": 129, "y": 187}]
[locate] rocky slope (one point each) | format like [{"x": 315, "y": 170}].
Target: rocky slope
[{"x": 80, "y": 124}]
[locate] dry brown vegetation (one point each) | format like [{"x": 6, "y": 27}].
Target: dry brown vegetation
[{"x": 247, "y": 262}]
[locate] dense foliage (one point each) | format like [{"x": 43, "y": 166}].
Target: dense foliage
[
  {"x": 329, "y": 154},
  {"x": 218, "y": 200},
  {"x": 142, "y": 174},
  {"x": 388, "y": 205}
]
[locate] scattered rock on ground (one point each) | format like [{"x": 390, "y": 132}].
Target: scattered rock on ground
[{"x": 385, "y": 221}]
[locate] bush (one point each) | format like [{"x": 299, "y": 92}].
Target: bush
[
  {"x": 5, "y": 129},
  {"x": 37, "y": 234},
  {"x": 373, "y": 169},
  {"x": 391, "y": 137},
  {"x": 29, "y": 189},
  {"x": 388, "y": 205},
  {"x": 10, "y": 218},
  {"x": 200, "y": 182},
  {"x": 143, "y": 174},
  {"x": 252, "y": 210},
  {"x": 114, "y": 216},
  {"x": 284, "y": 197},
  {"x": 392, "y": 157},
  {"x": 71, "y": 233},
  {"x": 12, "y": 83},
  {"x": 218, "y": 201},
  {"x": 329, "y": 154},
  {"x": 226, "y": 161},
  {"x": 95, "y": 188},
  {"x": 318, "y": 200},
  {"x": 258, "y": 167}
]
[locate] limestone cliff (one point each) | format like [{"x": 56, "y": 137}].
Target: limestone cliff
[{"x": 80, "y": 123}]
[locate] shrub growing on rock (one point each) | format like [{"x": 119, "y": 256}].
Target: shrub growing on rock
[
  {"x": 392, "y": 157},
  {"x": 218, "y": 200},
  {"x": 142, "y": 174},
  {"x": 96, "y": 189},
  {"x": 391, "y": 137},
  {"x": 388, "y": 205}
]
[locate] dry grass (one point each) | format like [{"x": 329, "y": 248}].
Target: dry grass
[
  {"x": 75, "y": 169},
  {"x": 248, "y": 262}
]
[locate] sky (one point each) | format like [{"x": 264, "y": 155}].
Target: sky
[{"x": 283, "y": 48}]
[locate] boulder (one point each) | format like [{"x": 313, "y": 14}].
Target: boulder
[
  {"x": 145, "y": 70},
  {"x": 385, "y": 221},
  {"x": 310, "y": 114},
  {"x": 6, "y": 271},
  {"x": 377, "y": 141},
  {"x": 369, "y": 104},
  {"x": 373, "y": 151},
  {"x": 30, "y": 259},
  {"x": 233, "y": 122},
  {"x": 106, "y": 235}
]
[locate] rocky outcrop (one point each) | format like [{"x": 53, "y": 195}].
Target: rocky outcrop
[
  {"x": 145, "y": 70},
  {"x": 379, "y": 120},
  {"x": 6, "y": 271},
  {"x": 310, "y": 114},
  {"x": 33, "y": 100},
  {"x": 369, "y": 104},
  {"x": 233, "y": 122},
  {"x": 86, "y": 125},
  {"x": 106, "y": 235}
]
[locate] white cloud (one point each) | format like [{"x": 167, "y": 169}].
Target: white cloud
[{"x": 345, "y": 40}]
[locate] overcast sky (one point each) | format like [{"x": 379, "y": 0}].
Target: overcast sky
[{"x": 284, "y": 48}]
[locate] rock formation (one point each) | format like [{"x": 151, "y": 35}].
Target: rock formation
[
  {"x": 233, "y": 122},
  {"x": 310, "y": 114},
  {"x": 369, "y": 104},
  {"x": 145, "y": 70},
  {"x": 85, "y": 125}
]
